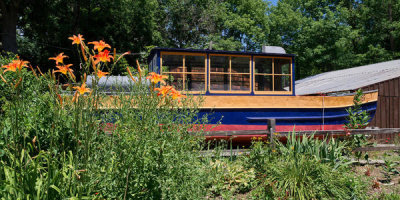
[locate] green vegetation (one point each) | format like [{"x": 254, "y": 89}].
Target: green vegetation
[
  {"x": 357, "y": 118},
  {"x": 73, "y": 142},
  {"x": 325, "y": 35}
]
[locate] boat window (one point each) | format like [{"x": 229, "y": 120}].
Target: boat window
[
  {"x": 282, "y": 83},
  {"x": 263, "y": 82},
  {"x": 219, "y": 64},
  {"x": 282, "y": 66},
  {"x": 282, "y": 75},
  {"x": 263, "y": 74},
  {"x": 272, "y": 74},
  {"x": 229, "y": 73},
  {"x": 185, "y": 72},
  {"x": 172, "y": 63},
  {"x": 240, "y": 65},
  {"x": 176, "y": 80}
]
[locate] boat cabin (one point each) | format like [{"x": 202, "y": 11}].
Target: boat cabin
[{"x": 215, "y": 72}]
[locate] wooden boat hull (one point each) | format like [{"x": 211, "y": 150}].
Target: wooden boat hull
[{"x": 299, "y": 113}]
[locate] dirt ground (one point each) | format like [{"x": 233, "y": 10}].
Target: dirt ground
[{"x": 384, "y": 178}]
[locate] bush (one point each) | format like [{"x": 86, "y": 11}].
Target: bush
[
  {"x": 307, "y": 178},
  {"x": 56, "y": 146},
  {"x": 303, "y": 168}
]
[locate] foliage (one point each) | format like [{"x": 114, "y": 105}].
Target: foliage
[
  {"x": 4, "y": 59},
  {"x": 303, "y": 168},
  {"x": 227, "y": 178},
  {"x": 323, "y": 150},
  {"x": 67, "y": 141},
  {"x": 326, "y": 35},
  {"x": 307, "y": 178},
  {"x": 389, "y": 196},
  {"x": 390, "y": 169},
  {"x": 357, "y": 118},
  {"x": 57, "y": 146},
  {"x": 39, "y": 177}
]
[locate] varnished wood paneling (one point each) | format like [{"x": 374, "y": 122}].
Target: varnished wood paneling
[{"x": 282, "y": 101}]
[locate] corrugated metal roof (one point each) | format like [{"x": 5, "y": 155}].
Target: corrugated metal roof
[{"x": 348, "y": 79}]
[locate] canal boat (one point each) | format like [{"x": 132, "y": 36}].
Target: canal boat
[{"x": 241, "y": 90}]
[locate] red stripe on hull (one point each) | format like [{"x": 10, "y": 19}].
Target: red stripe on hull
[
  {"x": 278, "y": 128},
  {"x": 246, "y": 139}
]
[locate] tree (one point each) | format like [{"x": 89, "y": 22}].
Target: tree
[{"x": 10, "y": 10}]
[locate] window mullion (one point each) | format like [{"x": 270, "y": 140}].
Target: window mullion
[
  {"x": 184, "y": 73},
  {"x": 273, "y": 74},
  {"x": 230, "y": 73}
]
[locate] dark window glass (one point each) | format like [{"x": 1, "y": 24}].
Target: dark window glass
[
  {"x": 240, "y": 82},
  {"x": 240, "y": 64},
  {"x": 195, "y": 64},
  {"x": 263, "y": 65},
  {"x": 263, "y": 83},
  {"x": 195, "y": 82},
  {"x": 175, "y": 80},
  {"x": 282, "y": 66},
  {"x": 282, "y": 83},
  {"x": 172, "y": 63},
  {"x": 219, "y": 63},
  {"x": 219, "y": 82}
]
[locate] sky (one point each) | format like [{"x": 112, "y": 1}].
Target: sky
[{"x": 274, "y": 2}]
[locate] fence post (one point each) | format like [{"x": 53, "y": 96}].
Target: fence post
[{"x": 271, "y": 130}]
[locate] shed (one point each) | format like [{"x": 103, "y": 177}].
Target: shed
[{"x": 384, "y": 77}]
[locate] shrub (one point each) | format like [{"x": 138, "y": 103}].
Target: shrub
[
  {"x": 303, "y": 168},
  {"x": 227, "y": 178},
  {"x": 357, "y": 117},
  {"x": 56, "y": 146},
  {"x": 307, "y": 178},
  {"x": 322, "y": 150}
]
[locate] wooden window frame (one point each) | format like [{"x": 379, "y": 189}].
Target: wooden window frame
[
  {"x": 184, "y": 72},
  {"x": 273, "y": 76},
  {"x": 230, "y": 75}
]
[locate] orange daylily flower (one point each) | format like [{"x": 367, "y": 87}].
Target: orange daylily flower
[
  {"x": 64, "y": 69},
  {"x": 15, "y": 64},
  {"x": 176, "y": 95},
  {"x": 82, "y": 89},
  {"x": 164, "y": 90},
  {"x": 156, "y": 78},
  {"x": 100, "y": 45},
  {"x": 10, "y": 67},
  {"x": 76, "y": 39},
  {"x": 59, "y": 58},
  {"x": 20, "y": 63},
  {"x": 102, "y": 57},
  {"x": 101, "y": 73}
]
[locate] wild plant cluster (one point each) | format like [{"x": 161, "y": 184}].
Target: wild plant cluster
[
  {"x": 68, "y": 141},
  {"x": 56, "y": 140}
]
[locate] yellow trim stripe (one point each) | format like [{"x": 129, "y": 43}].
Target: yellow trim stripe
[{"x": 282, "y": 101}]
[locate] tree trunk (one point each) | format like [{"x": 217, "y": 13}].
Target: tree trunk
[
  {"x": 77, "y": 12},
  {"x": 9, "y": 26}
]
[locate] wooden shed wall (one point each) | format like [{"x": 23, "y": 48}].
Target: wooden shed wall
[{"x": 388, "y": 110}]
